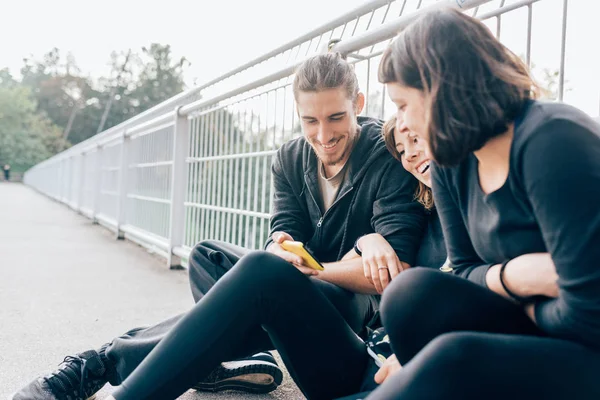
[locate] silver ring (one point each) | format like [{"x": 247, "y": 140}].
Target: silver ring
[{"x": 382, "y": 267}]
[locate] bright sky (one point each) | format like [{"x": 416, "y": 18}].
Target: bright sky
[{"x": 216, "y": 36}]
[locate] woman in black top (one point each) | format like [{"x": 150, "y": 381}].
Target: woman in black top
[
  {"x": 517, "y": 187},
  {"x": 324, "y": 356}
]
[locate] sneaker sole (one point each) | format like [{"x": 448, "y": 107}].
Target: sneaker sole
[{"x": 246, "y": 376}]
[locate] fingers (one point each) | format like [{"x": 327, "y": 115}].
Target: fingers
[
  {"x": 292, "y": 258},
  {"x": 394, "y": 265},
  {"x": 384, "y": 276},
  {"x": 276, "y": 249},
  {"x": 381, "y": 374},
  {"x": 367, "y": 271},
  {"x": 389, "y": 367},
  {"x": 307, "y": 270},
  {"x": 376, "y": 277},
  {"x": 279, "y": 237}
]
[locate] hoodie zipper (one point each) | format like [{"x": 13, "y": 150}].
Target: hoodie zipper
[{"x": 322, "y": 217}]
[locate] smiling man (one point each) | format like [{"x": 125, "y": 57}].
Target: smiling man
[{"x": 333, "y": 185}]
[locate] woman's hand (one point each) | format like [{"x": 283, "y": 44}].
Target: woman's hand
[
  {"x": 380, "y": 262},
  {"x": 389, "y": 368}
]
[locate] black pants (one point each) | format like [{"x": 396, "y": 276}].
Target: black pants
[
  {"x": 457, "y": 340},
  {"x": 209, "y": 262},
  {"x": 262, "y": 300}
]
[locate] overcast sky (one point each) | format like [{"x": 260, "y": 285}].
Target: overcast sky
[{"x": 216, "y": 36}]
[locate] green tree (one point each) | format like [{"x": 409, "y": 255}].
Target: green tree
[
  {"x": 160, "y": 78},
  {"x": 76, "y": 104},
  {"x": 26, "y": 137}
]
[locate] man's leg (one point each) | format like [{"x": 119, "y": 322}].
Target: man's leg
[
  {"x": 261, "y": 291},
  {"x": 114, "y": 361}
]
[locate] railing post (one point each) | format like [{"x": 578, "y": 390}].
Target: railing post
[
  {"x": 178, "y": 187},
  {"x": 97, "y": 184},
  {"x": 123, "y": 174},
  {"x": 81, "y": 182}
]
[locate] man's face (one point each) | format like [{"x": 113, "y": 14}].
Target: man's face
[{"x": 329, "y": 123}]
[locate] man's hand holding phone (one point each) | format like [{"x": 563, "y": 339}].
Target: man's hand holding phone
[{"x": 295, "y": 260}]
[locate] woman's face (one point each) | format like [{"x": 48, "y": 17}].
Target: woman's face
[
  {"x": 410, "y": 103},
  {"x": 410, "y": 135},
  {"x": 414, "y": 153}
]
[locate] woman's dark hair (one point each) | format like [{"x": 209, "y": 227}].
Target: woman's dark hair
[
  {"x": 474, "y": 86},
  {"x": 423, "y": 193}
]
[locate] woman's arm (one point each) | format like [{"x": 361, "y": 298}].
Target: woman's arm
[
  {"x": 525, "y": 276},
  {"x": 465, "y": 261},
  {"x": 560, "y": 166}
]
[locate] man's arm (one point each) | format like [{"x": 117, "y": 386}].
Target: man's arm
[
  {"x": 397, "y": 216},
  {"x": 349, "y": 275}
]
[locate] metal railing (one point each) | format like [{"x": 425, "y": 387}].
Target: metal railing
[{"x": 197, "y": 166}]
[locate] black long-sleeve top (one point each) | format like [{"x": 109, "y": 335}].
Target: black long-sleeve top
[{"x": 550, "y": 202}]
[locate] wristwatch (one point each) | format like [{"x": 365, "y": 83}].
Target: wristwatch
[{"x": 356, "y": 248}]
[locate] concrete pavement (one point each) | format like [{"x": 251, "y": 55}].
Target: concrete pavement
[{"x": 67, "y": 285}]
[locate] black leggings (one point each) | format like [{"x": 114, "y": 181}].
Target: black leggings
[
  {"x": 457, "y": 340},
  {"x": 261, "y": 293}
]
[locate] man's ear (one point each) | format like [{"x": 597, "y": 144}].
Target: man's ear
[{"x": 360, "y": 103}]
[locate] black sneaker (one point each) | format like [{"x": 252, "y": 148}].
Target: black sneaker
[
  {"x": 77, "y": 378},
  {"x": 378, "y": 346},
  {"x": 256, "y": 374}
]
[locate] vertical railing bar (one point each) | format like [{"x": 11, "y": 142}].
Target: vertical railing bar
[
  {"x": 563, "y": 45},
  {"x": 218, "y": 172},
  {"x": 402, "y": 8},
  {"x": 213, "y": 174},
  {"x": 529, "y": 23},
  {"x": 201, "y": 185},
  {"x": 248, "y": 183},
  {"x": 236, "y": 165},
  {"x": 232, "y": 171},
  {"x": 257, "y": 172},
  {"x": 243, "y": 177}
]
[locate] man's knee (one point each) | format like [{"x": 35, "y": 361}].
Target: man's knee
[
  {"x": 204, "y": 248},
  {"x": 263, "y": 267}
]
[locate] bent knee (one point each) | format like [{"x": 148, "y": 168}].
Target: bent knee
[
  {"x": 262, "y": 265},
  {"x": 410, "y": 289},
  {"x": 458, "y": 349}
]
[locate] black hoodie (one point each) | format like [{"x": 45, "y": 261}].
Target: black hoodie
[{"x": 377, "y": 196}]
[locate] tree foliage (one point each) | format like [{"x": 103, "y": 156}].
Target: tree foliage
[{"x": 54, "y": 105}]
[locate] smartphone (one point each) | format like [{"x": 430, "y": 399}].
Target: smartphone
[{"x": 298, "y": 249}]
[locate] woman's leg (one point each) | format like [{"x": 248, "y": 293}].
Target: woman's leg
[
  {"x": 324, "y": 355},
  {"x": 475, "y": 365},
  {"x": 421, "y": 304}
]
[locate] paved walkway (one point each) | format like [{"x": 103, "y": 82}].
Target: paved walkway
[{"x": 67, "y": 285}]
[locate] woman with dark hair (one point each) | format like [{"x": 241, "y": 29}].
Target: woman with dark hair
[{"x": 516, "y": 183}]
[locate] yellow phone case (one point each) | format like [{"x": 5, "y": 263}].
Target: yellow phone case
[{"x": 298, "y": 249}]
